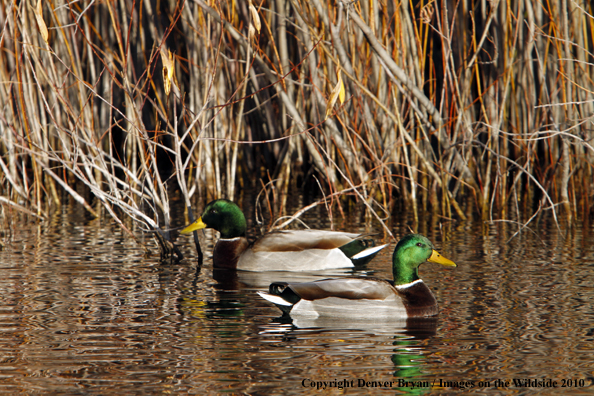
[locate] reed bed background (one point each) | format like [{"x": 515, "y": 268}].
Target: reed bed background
[{"x": 462, "y": 109}]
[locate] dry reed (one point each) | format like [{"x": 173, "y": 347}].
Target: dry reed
[{"x": 456, "y": 108}]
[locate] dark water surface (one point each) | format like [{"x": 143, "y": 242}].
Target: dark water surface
[{"x": 84, "y": 311}]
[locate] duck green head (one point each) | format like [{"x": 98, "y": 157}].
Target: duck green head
[
  {"x": 412, "y": 251},
  {"x": 222, "y": 215}
]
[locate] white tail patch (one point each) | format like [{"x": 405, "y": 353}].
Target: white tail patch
[
  {"x": 274, "y": 299},
  {"x": 368, "y": 252}
]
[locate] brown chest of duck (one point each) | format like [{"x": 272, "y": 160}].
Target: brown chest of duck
[
  {"x": 286, "y": 250},
  {"x": 358, "y": 297}
]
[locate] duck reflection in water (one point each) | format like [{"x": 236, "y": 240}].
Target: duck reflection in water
[
  {"x": 409, "y": 358},
  {"x": 409, "y": 338}
]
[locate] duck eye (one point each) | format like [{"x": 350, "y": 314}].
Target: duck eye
[
  {"x": 419, "y": 244},
  {"x": 213, "y": 211}
]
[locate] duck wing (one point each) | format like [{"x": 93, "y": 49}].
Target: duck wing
[
  {"x": 299, "y": 240},
  {"x": 349, "y": 288}
]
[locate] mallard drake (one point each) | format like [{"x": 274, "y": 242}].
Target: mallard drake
[
  {"x": 290, "y": 250},
  {"x": 406, "y": 296}
]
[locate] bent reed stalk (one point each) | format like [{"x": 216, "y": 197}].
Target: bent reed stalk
[{"x": 457, "y": 108}]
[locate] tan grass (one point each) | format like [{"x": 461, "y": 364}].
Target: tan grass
[{"x": 453, "y": 108}]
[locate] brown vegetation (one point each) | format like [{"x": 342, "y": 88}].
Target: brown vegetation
[{"x": 451, "y": 107}]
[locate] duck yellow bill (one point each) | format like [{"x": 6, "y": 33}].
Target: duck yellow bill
[
  {"x": 197, "y": 225},
  {"x": 439, "y": 259}
]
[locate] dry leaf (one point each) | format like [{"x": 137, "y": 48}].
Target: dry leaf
[
  {"x": 255, "y": 18},
  {"x": 338, "y": 92},
  {"x": 40, "y": 22},
  {"x": 341, "y": 92},
  {"x": 168, "y": 68},
  {"x": 427, "y": 13}
]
